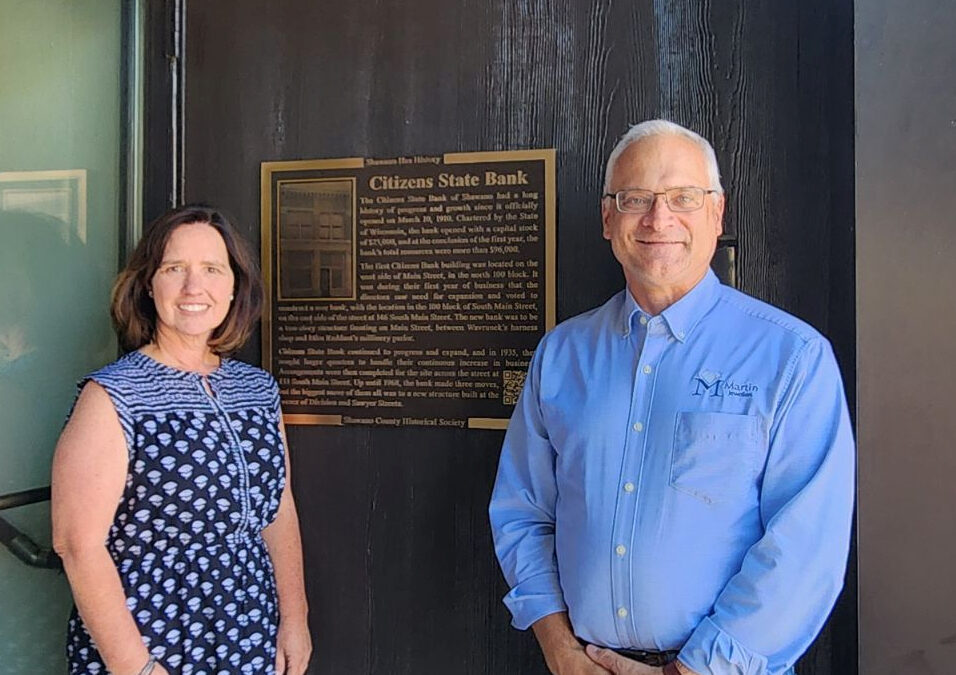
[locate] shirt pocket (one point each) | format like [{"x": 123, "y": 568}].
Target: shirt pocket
[{"x": 715, "y": 455}]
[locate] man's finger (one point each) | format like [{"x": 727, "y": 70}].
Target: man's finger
[
  {"x": 604, "y": 657},
  {"x": 609, "y": 659}
]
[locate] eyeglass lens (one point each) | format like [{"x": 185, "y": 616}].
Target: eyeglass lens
[{"x": 678, "y": 199}]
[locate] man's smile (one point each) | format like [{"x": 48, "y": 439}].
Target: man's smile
[{"x": 656, "y": 242}]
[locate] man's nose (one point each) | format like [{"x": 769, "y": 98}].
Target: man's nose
[{"x": 659, "y": 212}]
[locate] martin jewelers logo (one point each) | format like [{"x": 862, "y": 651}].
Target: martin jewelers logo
[{"x": 710, "y": 383}]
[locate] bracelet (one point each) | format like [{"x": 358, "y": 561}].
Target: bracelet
[{"x": 148, "y": 668}]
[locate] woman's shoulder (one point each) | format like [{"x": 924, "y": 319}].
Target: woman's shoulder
[
  {"x": 240, "y": 370},
  {"x": 242, "y": 376},
  {"x": 125, "y": 373},
  {"x": 138, "y": 384},
  {"x": 244, "y": 385},
  {"x": 122, "y": 381}
]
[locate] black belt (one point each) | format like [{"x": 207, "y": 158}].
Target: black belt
[
  {"x": 650, "y": 657},
  {"x": 646, "y": 656}
]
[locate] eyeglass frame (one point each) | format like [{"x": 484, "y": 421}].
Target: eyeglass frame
[{"x": 617, "y": 203}]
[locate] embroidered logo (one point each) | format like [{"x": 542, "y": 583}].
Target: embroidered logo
[{"x": 710, "y": 383}]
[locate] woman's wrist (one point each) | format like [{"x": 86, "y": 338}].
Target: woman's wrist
[
  {"x": 149, "y": 667},
  {"x": 294, "y": 612},
  {"x": 143, "y": 666},
  {"x": 294, "y": 620},
  {"x": 132, "y": 665}
]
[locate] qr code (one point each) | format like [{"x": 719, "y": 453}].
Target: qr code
[{"x": 512, "y": 382}]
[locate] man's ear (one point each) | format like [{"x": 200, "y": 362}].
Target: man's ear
[
  {"x": 607, "y": 210},
  {"x": 719, "y": 214}
]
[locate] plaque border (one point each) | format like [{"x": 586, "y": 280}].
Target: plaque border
[{"x": 546, "y": 155}]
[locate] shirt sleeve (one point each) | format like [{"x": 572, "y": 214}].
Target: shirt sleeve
[
  {"x": 522, "y": 510},
  {"x": 771, "y": 610}
]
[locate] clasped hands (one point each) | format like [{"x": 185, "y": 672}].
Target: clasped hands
[
  {"x": 619, "y": 665},
  {"x": 594, "y": 660}
]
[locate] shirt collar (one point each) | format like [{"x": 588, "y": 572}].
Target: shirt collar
[
  {"x": 683, "y": 315},
  {"x": 629, "y": 309}
]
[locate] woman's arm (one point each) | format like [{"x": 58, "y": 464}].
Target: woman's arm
[
  {"x": 89, "y": 472},
  {"x": 285, "y": 548}
]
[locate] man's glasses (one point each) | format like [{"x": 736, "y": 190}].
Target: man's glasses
[{"x": 679, "y": 199}]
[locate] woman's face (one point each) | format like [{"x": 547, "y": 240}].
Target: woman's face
[{"x": 193, "y": 287}]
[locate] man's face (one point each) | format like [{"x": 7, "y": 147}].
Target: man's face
[{"x": 662, "y": 252}]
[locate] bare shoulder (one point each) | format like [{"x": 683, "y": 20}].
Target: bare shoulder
[
  {"x": 89, "y": 472},
  {"x": 93, "y": 424},
  {"x": 93, "y": 398}
]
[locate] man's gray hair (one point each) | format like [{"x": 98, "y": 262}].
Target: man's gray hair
[{"x": 663, "y": 128}]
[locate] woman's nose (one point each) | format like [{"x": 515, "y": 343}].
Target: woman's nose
[{"x": 192, "y": 281}]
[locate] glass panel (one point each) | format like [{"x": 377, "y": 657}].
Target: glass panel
[
  {"x": 60, "y": 185},
  {"x": 34, "y": 603}
]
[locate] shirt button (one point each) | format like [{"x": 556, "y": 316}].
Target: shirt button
[
  {"x": 681, "y": 335},
  {"x": 621, "y": 550},
  {"x": 643, "y": 320},
  {"x": 638, "y": 426},
  {"x": 622, "y": 612},
  {"x": 628, "y": 487},
  {"x": 647, "y": 370}
]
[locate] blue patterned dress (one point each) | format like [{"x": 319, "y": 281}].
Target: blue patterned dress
[{"x": 205, "y": 476}]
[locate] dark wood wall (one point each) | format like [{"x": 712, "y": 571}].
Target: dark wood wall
[{"x": 401, "y": 571}]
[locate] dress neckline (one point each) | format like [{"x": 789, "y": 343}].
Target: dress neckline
[{"x": 149, "y": 362}]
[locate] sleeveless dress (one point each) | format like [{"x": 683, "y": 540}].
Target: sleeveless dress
[{"x": 205, "y": 476}]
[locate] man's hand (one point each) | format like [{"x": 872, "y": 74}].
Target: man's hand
[
  {"x": 562, "y": 651},
  {"x": 619, "y": 665},
  {"x": 575, "y": 662}
]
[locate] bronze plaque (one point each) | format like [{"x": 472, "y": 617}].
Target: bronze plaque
[{"x": 408, "y": 291}]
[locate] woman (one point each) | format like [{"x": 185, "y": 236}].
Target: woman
[{"x": 174, "y": 456}]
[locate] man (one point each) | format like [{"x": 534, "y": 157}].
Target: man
[{"x": 676, "y": 484}]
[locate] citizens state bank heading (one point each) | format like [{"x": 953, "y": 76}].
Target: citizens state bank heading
[{"x": 489, "y": 179}]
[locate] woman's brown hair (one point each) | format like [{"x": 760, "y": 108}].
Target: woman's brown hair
[{"x": 132, "y": 308}]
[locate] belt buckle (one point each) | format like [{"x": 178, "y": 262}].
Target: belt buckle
[
  {"x": 658, "y": 660},
  {"x": 655, "y": 659}
]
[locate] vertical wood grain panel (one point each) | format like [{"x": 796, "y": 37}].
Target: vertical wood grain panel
[{"x": 402, "y": 577}]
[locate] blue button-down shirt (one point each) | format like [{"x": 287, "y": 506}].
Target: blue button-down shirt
[{"x": 681, "y": 481}]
